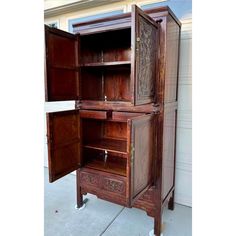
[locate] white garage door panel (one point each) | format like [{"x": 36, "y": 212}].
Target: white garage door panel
[
  {"x": 183, "y": 179},
  {"x": 183, "y": 193}
]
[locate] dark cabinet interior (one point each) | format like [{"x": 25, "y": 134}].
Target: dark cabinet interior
[
  {"x": 120, "y": 72},
  {"x": 106, "y": 48},
  {"x": 104, "y": 145},
  {"x": 106, "y": 66}
]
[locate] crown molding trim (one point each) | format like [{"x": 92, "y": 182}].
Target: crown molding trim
[{"x": 76, "y": 6}]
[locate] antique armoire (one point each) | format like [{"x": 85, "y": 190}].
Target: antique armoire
[{"x": 122, "y": 73}]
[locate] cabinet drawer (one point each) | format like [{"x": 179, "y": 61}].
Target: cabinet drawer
[
  {"x": 99, "y": 115},
  {"x": 89, "y": 179},
  {"x": 103, "y": 183},
  {"x": 113, "y": 185}
]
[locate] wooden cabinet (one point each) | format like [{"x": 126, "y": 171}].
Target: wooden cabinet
[{"x": 122, "y": 71}]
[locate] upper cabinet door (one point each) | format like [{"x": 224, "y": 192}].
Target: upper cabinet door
[
  {"x": 141, "y": 153},
  {"x": 62, "y": 73},
  {"x": 144, "y": 56},
  {"x": 63, "y": 133}
]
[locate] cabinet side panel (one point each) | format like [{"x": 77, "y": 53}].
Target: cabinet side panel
[
  {"x": 172, "y": 60},
  {"x": 168, "y": 162}
]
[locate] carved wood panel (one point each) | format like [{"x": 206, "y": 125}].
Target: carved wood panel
[
  {"x": 114, "y": 186},
  {"x": 90, "y": 179},
  {"x": 146, "y": 45}
]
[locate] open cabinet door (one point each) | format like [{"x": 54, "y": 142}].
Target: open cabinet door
[
  {"x": 63, "y": 133},
  {"x": 144, "y": 56},
  {"x": 62, "y": 73},
  {"x": 141, "y": 153}
]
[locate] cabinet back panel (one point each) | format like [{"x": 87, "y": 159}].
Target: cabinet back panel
[
  {"x": 94, "y": 129},
  {"x": 91, "y": 48},
  {"x": 91, "y": 130},
  {"x": 117, "y": 85},
  {"x": 91, "y": 85},
  {"x": 96, "y": 83},
  {"x": 116, "y": 49},
  {"x": 115, "y": 130},
  {"x": 106, "y": 47}
]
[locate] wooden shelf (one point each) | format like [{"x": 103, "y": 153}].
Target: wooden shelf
[
  {"x": 113, "y": 164},
  {"x": 76, "y": 68},
  {"x": 113, "y": 145},
  {"x": 112, "y": 63}
]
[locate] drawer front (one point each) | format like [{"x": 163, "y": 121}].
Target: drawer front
[
  {"x": 89, "y": 179},
  {"x": 113, "y": 185},
  {"x": 99, "y": 115},
  {"x": 105, "y": 184}
]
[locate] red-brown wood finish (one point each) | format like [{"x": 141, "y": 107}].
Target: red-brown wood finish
[
  {"x": 63, "y": 133},
  {"x": 141, "y": 154},
  {"x": 122, "y": 72},
  {"x": 62, "y": 76},
  {"x": 145, "y": 47}
]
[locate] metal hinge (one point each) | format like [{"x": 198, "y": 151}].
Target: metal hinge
[
  {"x": 132, "y": 150},
  {"x": 77, "y": 104},
  {"x": 138, "y": 40}
]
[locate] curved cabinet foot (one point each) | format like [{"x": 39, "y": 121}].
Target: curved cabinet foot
[
  {"x": 151, "y": 233},
  {"x": 83, "y": 206}
]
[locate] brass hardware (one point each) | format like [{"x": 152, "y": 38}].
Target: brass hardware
[
  {"x": 132, "y": 150},
  {"x": 138, "y": 39},
  {"x": 105, "y": 156},
  {"x": 105, "y": 98}
]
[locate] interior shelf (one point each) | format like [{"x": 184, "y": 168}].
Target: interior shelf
[
  {"x": 113, "y": 145},
  {"x": 112, "y": 165},
  {"x": 110, "y": 63}
]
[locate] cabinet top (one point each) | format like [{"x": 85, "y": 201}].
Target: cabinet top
[{"x": 121, "y": 20}]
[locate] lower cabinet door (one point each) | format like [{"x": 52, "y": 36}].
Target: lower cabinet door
[
  {"x": 141, "y": 155},
  {"x": 63, "y": 135}
]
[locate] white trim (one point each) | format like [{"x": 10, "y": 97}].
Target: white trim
[
  {"x": 81, "y": 14},
  {"x": 144, "y": 3}
]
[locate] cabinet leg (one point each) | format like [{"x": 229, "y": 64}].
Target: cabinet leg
[
  {"x": 157, "y": 224},
  {"x": 171, "y": 203},
  {"x": 79, "y": 197},
  {"x": 151, "y": 233}
]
